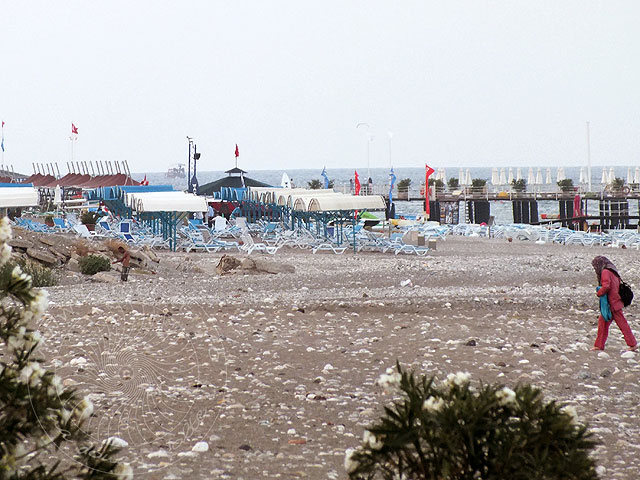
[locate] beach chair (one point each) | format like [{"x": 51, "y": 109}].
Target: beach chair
[
  {"x": 60, "y": 225},
  {"x": 328, "y": 246},
  {"x": 196, "y": 242},
  {"x": 82, "y": 231},
  {"x": 249, "y": 246},
  {"x": 398, "y": 246},
  {"x": 104, "y": 228}
]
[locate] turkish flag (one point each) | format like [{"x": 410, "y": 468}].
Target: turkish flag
[
  {"x": 74, "y": 129},
  {"x": 427, "y": 174},
  {"x": 357, "y": 183},
  {"x": 237, "y": 151}
]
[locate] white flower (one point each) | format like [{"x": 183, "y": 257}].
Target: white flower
[
  {"x": 433, "y": 404},
  {"x": 371, "y": 441},
  {"x": 83, "y": 410},
  {"x": 31, "y": 374},
  {"x": 350, "y": 464},
  {"x": 116, "y": 442},
  {"x": 39, "y": 303},
  {"x": 460, "y": 379},
  {"x": 19, "y": 451},
  {"x": 33, "y": 340},
  {"x": 16, "y": 342},
  {"x": 55, "y": 388},
  {"x": 389, "y": 380},
  {"x": 505, "y": 396},
  {"x": 17, "y": 274},
  {"x": 571, "y": 411},
  {"x": 5, "y": 253},
  {"x": 397, "y": 476},
  {"x": 65, "y": 415},
  {"x": 123, "y": 471},
  {"x": 5, "y": 230}
]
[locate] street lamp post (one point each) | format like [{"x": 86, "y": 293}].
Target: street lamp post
[
  {"x": 369, "y": 140},
  {"x": 189, "y": 187},
  {"x": 194, "y": 179}
]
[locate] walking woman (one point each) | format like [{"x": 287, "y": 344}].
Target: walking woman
[{"x": 609, "y": 281}]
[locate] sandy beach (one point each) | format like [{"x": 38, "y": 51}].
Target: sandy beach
[{"x": 276, "y": 373}]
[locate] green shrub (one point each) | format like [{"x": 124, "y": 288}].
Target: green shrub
[
  {"x": 92, "y": 264},
  {"x": 314, "y": 184},
  {"x": 478, "y": 182},
  {"x": 617, "y": 185},
  {"x": 41, "y": 276},
  {"x": 43, "y": 427},
  {"x": 404, "y": 184},
  {"x": 454, "y": 431},
  {"x": 89, "y": 218},
  {"x": 566, "y": 185},
  {"x": 453, "y": 183},
  {"x": 519, "y": 185}
]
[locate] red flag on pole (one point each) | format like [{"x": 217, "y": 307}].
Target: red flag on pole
[
  {"x": 144, "y": 181},
  {"x": 237, "y": 151},
  {"x": 357, "y": 183},
  {"x": 74, "y": 129},
  {"x": 427, "y": 174}
]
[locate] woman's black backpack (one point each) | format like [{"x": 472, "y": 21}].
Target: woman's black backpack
[{"x": 626, "y": 294}]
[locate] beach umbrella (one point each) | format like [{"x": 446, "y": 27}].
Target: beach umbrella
[
  {"x": 629, "y": 176},
  {"x": 518, "y": 174},
  {"x": 57, "y": 196},
  {"x": 562, "y": 175},
  {"x": 286, "y": 181},
  {"x": 495, "y": 176},
  {"x": 582, "y": 176},
  {"x": 549, "y": 181},
  {"x": 469, "y": 182},
  {"x": 510, "y": 175},
  {"x": 612, "y": 175},
  {"x": 605, "y": 177},
  {"x": 503, "y": 176},
  {"x": 531, "y": 179},
  {"x": 444, "y": 176},
  {"x": 637, "y": 176},
  {"x": 539, "y": 176},
  {"x": 461, "y": 177}
]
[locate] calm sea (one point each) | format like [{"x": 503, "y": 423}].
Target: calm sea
[{"x": 380, "y": 176}]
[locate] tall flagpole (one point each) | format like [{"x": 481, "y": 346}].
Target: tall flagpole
[
  {"x": 3, "y": 144},
  {"x": 589, "y": 156}
]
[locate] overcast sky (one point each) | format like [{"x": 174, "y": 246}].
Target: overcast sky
[{"x": 471, "y": 83}]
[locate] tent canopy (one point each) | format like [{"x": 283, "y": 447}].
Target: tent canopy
[
  {"x": 165, "y": 202},
  {"x": 18, "y": 197},
  {"x": 325, "y": 203}
]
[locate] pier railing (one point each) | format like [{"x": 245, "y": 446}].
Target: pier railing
[{"x": 491, "y": 193}]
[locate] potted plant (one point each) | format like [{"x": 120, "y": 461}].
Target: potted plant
[
  {"x": 566, "y": 185},
  {"x": 439, "y": 184},
  {"x": 478, "y": 185},
  {"x": 403, "y": 188},
  {"x": 89, "y": 219},
  {"x": 519, "y": 185},
  {"x": 48, "y": 220},
  {"x": 617, "y": 185}
]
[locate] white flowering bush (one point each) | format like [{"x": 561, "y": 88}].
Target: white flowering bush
[
  {"x": 41, "y": 422},
  {"x": 450, "y": 430}
]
